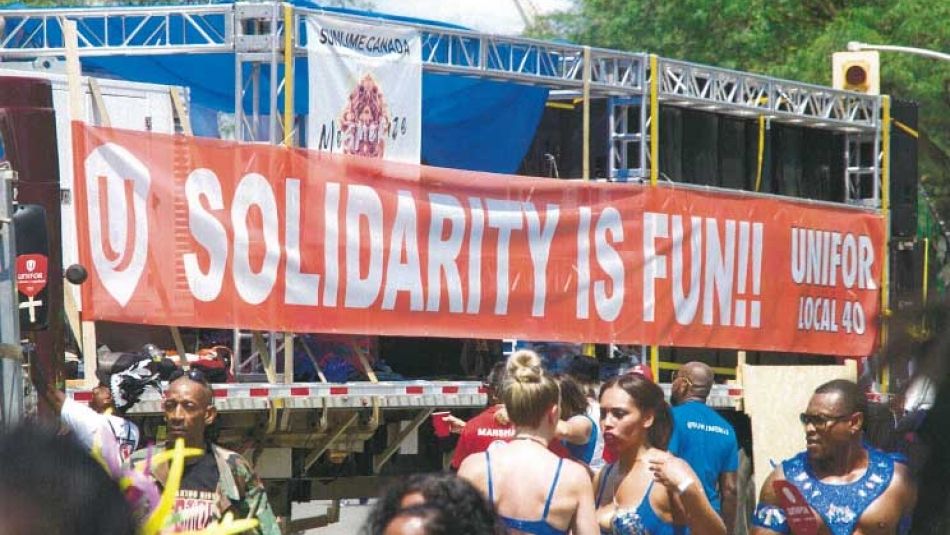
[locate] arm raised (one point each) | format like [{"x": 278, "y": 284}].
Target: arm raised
[{"x": 687, "y": 497}]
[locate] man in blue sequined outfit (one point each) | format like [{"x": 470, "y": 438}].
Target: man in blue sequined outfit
[{"x": 850, "y": 487}]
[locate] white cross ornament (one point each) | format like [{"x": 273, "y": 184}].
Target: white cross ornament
[{"x": 31, "y": 304}]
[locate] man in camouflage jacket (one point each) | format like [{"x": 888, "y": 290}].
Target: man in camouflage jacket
[{"x": 216, "y": 483}]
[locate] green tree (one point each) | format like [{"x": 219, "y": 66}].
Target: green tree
[
  {"x": 354, "y": 4},
  {"x": 791, "y": 39}
]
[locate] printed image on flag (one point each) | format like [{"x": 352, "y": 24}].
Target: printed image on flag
[
  {"x": 365, "y": 89},
  {"x": 365, "y": 121}
]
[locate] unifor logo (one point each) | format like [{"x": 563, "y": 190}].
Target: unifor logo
[
  {"x": 117, "y": 186},
  {"x": 31, "y": 265}
]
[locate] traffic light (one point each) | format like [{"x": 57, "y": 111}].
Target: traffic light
[{"x": 856, "y": 71}]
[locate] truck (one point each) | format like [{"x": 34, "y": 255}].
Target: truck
[{"x": 665, "y": 141}]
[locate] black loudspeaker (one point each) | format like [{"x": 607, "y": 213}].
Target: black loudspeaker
[
  {"x": 700, "y": 148},
  {"x": 907, "y": 267},
  {"x": 733, "y": 164},
  {"x": 788, "y": 160},
  {"x": 822, "y": 165},
  {"x": 904, "y": 173},
  {"x": 557, "y": 147},
  {"x": 671, "y": 143}
]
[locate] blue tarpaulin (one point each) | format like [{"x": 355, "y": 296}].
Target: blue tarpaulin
[{"x": 467, "y": 123}]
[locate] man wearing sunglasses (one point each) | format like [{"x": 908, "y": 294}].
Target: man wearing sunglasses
[
  {"x": 849, "y": 486},
  {"x": 216, "y": 483}
]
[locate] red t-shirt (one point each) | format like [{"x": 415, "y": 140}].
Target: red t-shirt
[
  {"x": 479, "y": 433},
  {"x": 483, "y": 430}
]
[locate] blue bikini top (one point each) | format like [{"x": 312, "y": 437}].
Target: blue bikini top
[
  {"x": 640, "y": 521},
  {"x": 841, "y": 505},
  {"x": 535, "y": 527}
]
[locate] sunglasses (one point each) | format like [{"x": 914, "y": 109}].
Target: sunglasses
[
  {"x": 682, "y": 376},
  {"x": 821, "y": 421},
  {"x": 193, "y": 374}
]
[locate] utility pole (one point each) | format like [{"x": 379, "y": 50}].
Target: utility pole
[{"x": 11, "y": 372}]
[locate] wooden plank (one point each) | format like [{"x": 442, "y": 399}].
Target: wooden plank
[
  {"x": 89, "y": 365},
  {"x": 380, "y": 460},
  {"x": 90, "y": 355},
  {"x": 72, "y": 313},
  {"x": 179, "y": 345},
  {"x": 99, "y": 105},
  {"x": 264, "y": 354},
  {"x": 325, "y": 444},
  {"x": 288, "y": 357},
  {"x": 73, "y": 70},
  {"x": 365, "y": 362},
  {"x": 87, "y": 329},
  {"x": 313, "y": 359},
  {"x": 178, "y": 106}
]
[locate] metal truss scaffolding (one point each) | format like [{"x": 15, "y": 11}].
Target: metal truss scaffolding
[
  {"x": 119, "y": 31},
  {"x": 629, "y": 138},
  {"x": 254, "y": 33},
  {"x": 744, "y": 94},
  {"x": 254, "y": 29}
]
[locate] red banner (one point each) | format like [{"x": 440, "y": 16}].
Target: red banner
[{"x": 207, "y": 233}]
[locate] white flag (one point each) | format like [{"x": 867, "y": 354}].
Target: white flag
[{"x": 365, "y": 89}]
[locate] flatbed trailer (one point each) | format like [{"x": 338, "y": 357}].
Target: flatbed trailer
[{"x": 300, "y": 435}]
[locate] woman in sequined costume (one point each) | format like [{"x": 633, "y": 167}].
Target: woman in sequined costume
[{"x": 647, "y": 491}]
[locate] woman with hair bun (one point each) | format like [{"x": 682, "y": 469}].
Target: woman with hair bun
[
  {"x": 637, "y": 423},
  {"x": 533, "y": 490}
]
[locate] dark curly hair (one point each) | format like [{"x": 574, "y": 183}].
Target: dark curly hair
[
  {"x": 50, "y": 484},
  {"x": 460, "y": 507},
  {"x": 436, "y": 521}
]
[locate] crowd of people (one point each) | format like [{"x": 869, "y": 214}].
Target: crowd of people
[
  {"x": 538, "y": 461},
  {"x": 551, "y": 454}
]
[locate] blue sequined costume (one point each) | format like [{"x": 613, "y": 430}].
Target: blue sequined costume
[
  {"x": 841, "y": 505},
  {"x": 642, "y": 520}
]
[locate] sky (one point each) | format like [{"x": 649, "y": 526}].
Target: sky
[{"x": 489, "y": 16}]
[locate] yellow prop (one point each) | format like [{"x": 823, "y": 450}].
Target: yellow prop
[
  {"x": 96, "y": 453},
  {"x": 157, "y": 519},
  {"x": 156, "y": 459},
  {"x": 168, "y": 455}
]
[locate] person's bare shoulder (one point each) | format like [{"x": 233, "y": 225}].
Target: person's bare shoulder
[
  {"x": 473, "y": 469},
  {"x": 577, "y": 476},
  {"x": 574, "y": 469},
  {"x": 902, "y": 485},
  {"x": 902, "y": 475}
]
